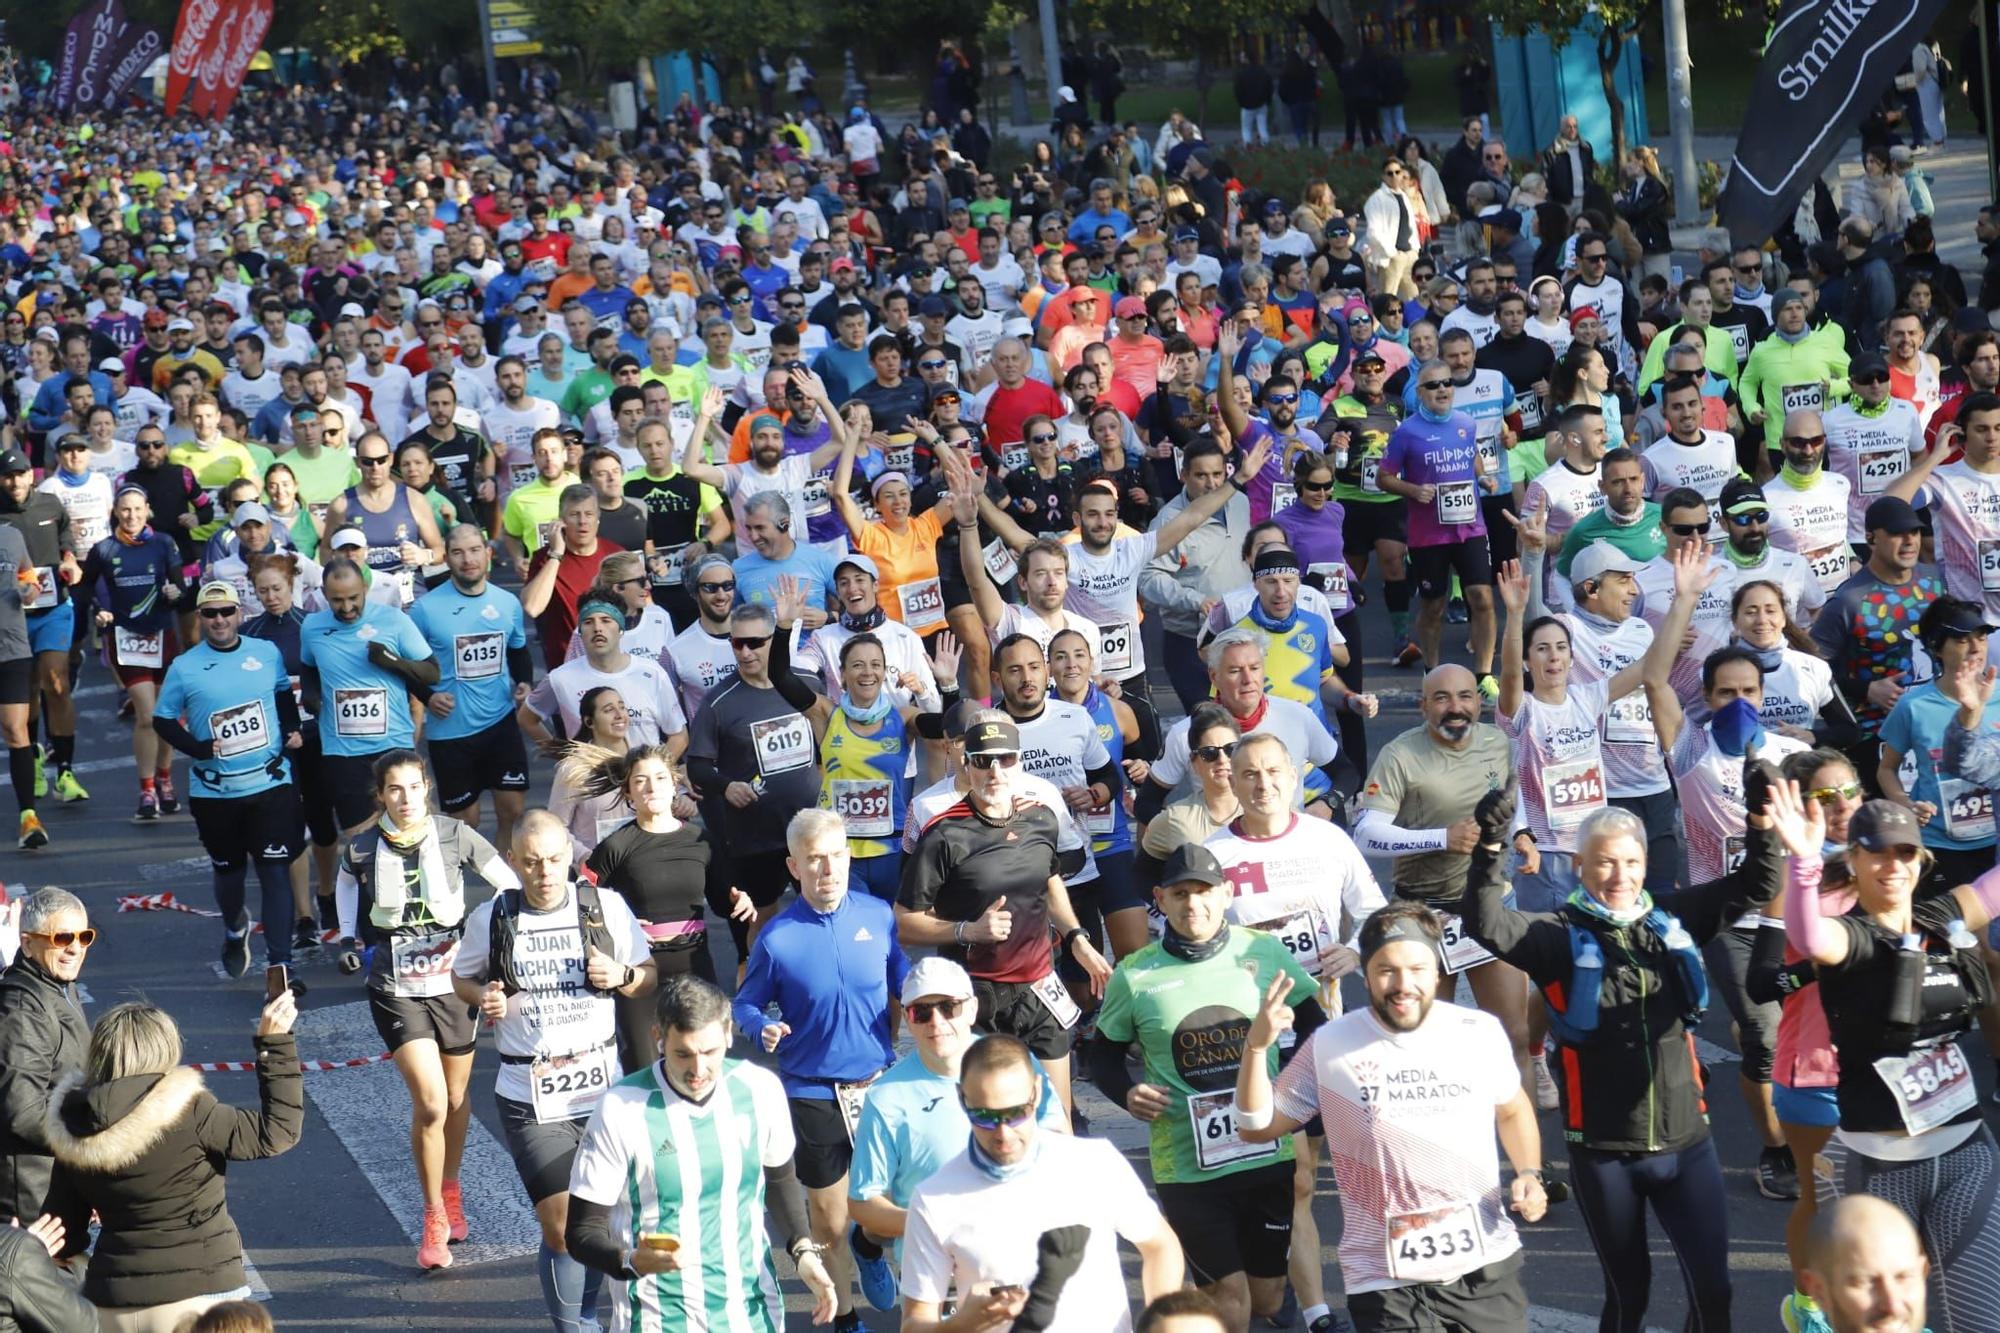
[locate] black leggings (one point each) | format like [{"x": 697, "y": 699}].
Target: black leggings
[
  {"x": 1951, "y": 1200},
  {"x": 1353, "y": 727},
  {"x": 1686, "y": 1191}
]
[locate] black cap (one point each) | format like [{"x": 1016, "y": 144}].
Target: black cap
[
  {"x": 1192, "y": 863},
  {"x": 1867, "y": 363},
  {"x": 992, "y": 738},
  {"x": 12, "y": 462},
  {"x": 1953, "y": 616},
  {"x": 1891, "y": 514},
  {"x": 1738, "y": 491},
  {"x": 1879, "y": 825}
]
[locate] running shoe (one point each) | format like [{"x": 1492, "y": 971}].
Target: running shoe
[
  {"x": 1799, "y": 1313},
  {"x": 149, "y": 808},
  {"x": 170, "y": 804},
  {"x": 1777, "y": 1174},
  {"x": 69, "y": 789},
  {"x": 305, "y": 935},
  {"x": 435, "y": 1252},
  {"x": 236, "y": 954},
  {"x": 1546, "y": 1096},
  {"x": 1408, "y": 654},
  {"x": 849, "y": 1323},
  {"x": 878, "y": 1279},
  {"x": 454, "y": 1211},
  {"x": 1489, "y": 687},
  {"x": 1455, "y": 612},
  {"x": 33, "y": 835}
]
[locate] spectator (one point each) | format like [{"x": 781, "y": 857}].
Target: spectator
[
  {"x": 35, "y": 1295},
  {"x": 1570, "y": 167},
  {"x": 1107, "y": 81},
  {"x": 1392, "y": 247},
  {"x": 43, "y": 1037},
  {"x": 1462, "y": 166},
  {"x": 1392, "y": 87},
  {"x": 1879, "y": 197},
  {"x": 1298, "y": 89},
  {"x": 1254, "y": 88},
  {"x": 1357, "y": 97},
  {"x": 1473, "y": 78},
  {"x": 1645, "y": 203},
  {"x": 1871, "y": 289}
]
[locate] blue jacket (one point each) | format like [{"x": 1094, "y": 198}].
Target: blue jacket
[
  {"x": 46, "y": 412},
  {"x": 834, "y": 976}
]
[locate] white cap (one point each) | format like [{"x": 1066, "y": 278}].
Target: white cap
[
  {"x": 1598, "y": 559},
  {"x": 936, "y": 976}
]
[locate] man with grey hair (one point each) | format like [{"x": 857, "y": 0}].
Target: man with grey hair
[
  {"x": 43, "y": 1037},
  {"x": 830, "y": 963},
  {"x": 769, "y": 551}
]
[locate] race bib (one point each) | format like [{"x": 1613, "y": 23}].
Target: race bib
[
  {"x": 1305, "y": 933},
  {"x": 1332, "y": 578},
  {"x": 1114, "y": 648},
  {"x": 239, "y": 730},
  {"x": 901, "y": 453},
  {"x": 479, "y": 656},
  {"x": 865, "y": 805},
  {"x": 1283, "y": 496},
  {"x": 922, "y": 602},
  {"x": 783, "y": 744},
  {"x": 1489, "y": 455},
  {"x": 1931, "y": 1086},
  {"x": 1989, "y": 564},
  {"x": 361, "y": 712},
  {"x": 1101, "y": 820},
  {"x": 1629, "y": 721},
  {"x": 849, "y": 1097},
  {"x": 818, "y": 500},
  {"x": 1014, "y": 456},
  {"x": 1437, "y": 1246},
  {"x": 1881, "y": 466},
  {"x": 421, "y": 964},
  {"x": 569, "y": 1087},
  {"x": 90, "y": 531},
  {"x": 1967, "y": 809},
  {"x": 758, "y": 357},
  {"x": 1371, "y": 474},
  {"x": 1739, "y": 341},
  {"x": 1056, "y": 999},
  {"x": 1800, "y": 398},
  {"x": 1212, "y": 1116},
  {"x": 45, "y": 589},
  {"x": 999, "y": 560},
  {"x": 520, "y": 474},
  {"x": 668, "y": 567},
  {"x": 1531, "y": 411},
  {"x": 1457, "y": 502},
  {"x": 1829, "y": 565},
  {"x": 1459, "y": 949},
  {"x": 319, "y": 512},
  {"x": 134, "y": 649},
  {"x": 680, "y": 424},
  {"x": 1574, "y": 790}
]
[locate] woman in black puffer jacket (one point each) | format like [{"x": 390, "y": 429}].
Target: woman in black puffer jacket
[{"x": 139, "y": 1139}]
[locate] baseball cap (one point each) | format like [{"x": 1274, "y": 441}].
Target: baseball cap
[
  {"x": 841, "y": 263},
  {"x": 1273, "y": 205},
  {"x": 523, "y": 304},
  {"x": 1879, "y": 825},
  {"x": 956, "y": 206},
  {"x": 1742, "y": 494},
  {"x": 1598, "y": 559},
  {"x": 348, "y": 539},
  {"x": 1867, "y": 363},
  {"x": 1187, "y": 234},
  {"x": 250, "y": 511},
  {"x": 1891, "y": 514},
  {"x": 992, "y": 738},
  {"x": 1954, "y": 618},
  {"x": 1192, "y": 863},
  {"x": 936, "y": 976},
  {"x": 1129, "y": 307},
  {"x": 352, "y": 310},
  {"x": 217, "y": 593},
  {"x": 1370, "y": 356},
  {"x": 180, "y": 326},
  {"x": 933, "y": 306},
  {"x": 12, "y": 462},
  {"x": 112, "y": 365},
  {"x": 155, "y": 319},
  {"x": 859, "y": 561}
]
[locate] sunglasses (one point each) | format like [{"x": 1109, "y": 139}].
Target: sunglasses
[
  {"x": 1805, "y": 439},
  {"x": 1316, "y": 487},
  {"x": 739, "y": 300},
  {"x": 999, "y": 1117},
  {"x": 1870, "y": 378},
  {"x": 791, "y": 305},
  {"x": 1690, "y": 529},
  {"x": 712, "y": 588},
  {"x": 150, "y": 444},
  {"x": 1043, "y": 438},
  {"x": 1208, "y": 754},
  {"x": 1751, "y": 516},
  {"x": 984, "y": 761},
  {"x": 1749, "y": 268},
  {"x": 748, "y": 644},
  {"x": 1431, "y": 386},
  {"x": 372, "y": 460},
  {"x": 1847, "y": 791},
  {"x": 62, "y": 939},
  {"x": 1281, "y": 399},
  {"x": 925, "y": 1010},
  {"x": 1591, "y": 259},
  {"x": 217, "y": 612}
]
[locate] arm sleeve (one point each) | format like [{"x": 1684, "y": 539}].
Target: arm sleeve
[
  {"x": 587, "y": 1236},
  {"x": 1378, "y": 835},
  {"x": 1508, "y": 932},
  {"x": 178, "y": 736},
  {"x": 521, "y": 666},
  {"x": 1770, "y": 979},
  {"x": 787, "y": 1202},
  {"x": 347, "y": 901},
  {"x": 789, "y": 685}
]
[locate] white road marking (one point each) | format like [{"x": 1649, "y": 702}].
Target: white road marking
[
  {"x": 368, "y": 1107},
  {"x": 1545, "y": 1319},
  {"x": 259, "y": 1290}
]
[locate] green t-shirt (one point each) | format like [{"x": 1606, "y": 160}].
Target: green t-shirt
[
  {"x": 984, "y": 209},
  {"x": 531, "y": 509},
  {"x": 1190, "y": 1020},
  {"x": 323, "y": 477},
  {"x": 304, "y": 535},
  {"x": 1641, "y": 539},
  {"x": 585, "y": 392}
]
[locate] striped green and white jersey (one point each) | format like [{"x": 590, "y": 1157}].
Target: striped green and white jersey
[{"x": 663, "y": 1163}]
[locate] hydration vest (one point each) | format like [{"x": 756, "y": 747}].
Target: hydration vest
[
  {"x": 1572, "y": 1007},
  {"x": 506, "y": 921}
]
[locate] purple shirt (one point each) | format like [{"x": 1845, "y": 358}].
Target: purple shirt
[{"x": 1444, "y": 454}]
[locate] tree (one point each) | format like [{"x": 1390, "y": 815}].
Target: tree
[
  {"x": 1210, "y": 30},
  {"x": 1558, "y": 20}
]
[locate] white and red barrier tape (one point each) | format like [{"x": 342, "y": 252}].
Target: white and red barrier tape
[
  {"x": 166, "y": 902},
  {"x": 309, "y": 1066}
]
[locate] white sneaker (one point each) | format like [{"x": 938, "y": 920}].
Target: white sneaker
[{"x": 1546, "y": 1096}]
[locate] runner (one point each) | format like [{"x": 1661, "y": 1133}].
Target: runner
[
  {"x": 1427, "y": 1235},
  {"x": 691, "y": 1257},
  {"x": 43, "y": 520},
  {"x": 401, "y": 892},
  {"x": 402, "y": 535},
  {"x": 684, "y": 520},
  {"x": 543, "y": 962},
  {"x": 238, "y": 724},
  {"x": 828, "y": 964},
  {"x": 478, "y": 635},
  {"x": 699, "y": 656},
  {"x": 641, "y": 681},
  {"x": 1811, "y": 508},
  {"x": 1185, "y": 999},
  {"x": 1964, "y": 502},
  {"x": 856, "y": 585},
  {"x": 1118, "y": 914},
  {"x": 1871, "y": 440},
  {"x": 135, "y": 581}
]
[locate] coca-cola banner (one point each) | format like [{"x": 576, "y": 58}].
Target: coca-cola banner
[
  {"x": 252, "y": 26},
  {"x": 137, "y": 47},
  {"x": 193, "y": 33},
  {"x": 103, "y": 41}
]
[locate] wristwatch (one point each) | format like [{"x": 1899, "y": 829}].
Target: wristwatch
[
  {"x": 1069, "y": 937},
  {"x": 631, "y": 975}
]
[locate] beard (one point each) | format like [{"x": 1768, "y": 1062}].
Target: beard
[{"x": 1390, "y": 1020}]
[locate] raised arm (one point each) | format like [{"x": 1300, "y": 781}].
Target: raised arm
[
  {"x": 841, "y": 487},
  {"x": 971, "y": 555},
  {"x": 1906, "y": 486},
  {"x": 1693, "y": 573},
  {"x": 1197, "y": 512},
  {"x": 1513, "y": 586},
  {"x": 1227, "y": 344},
  {"x": 692, "y": 461}
]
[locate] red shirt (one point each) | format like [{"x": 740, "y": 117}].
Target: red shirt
[
  {"x": 1008, "y": 408},
  {"x": 555, "y": 245},
  {"x": 573, "y": 579}
]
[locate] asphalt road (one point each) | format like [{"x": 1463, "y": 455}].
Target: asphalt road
[{"x": 330, "y": 1227}]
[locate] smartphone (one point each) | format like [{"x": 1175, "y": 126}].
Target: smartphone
[{"x": 277, "y": 980}]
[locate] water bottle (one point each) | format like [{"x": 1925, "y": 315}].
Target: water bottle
[
  {"x": 1676, "y": 936},
  {"x": 1906, "y": 992},
  {"x": 1340, "y": 454},
  {"x": 1586, "y": 980},
  {"x": 1960, "y": 937}
]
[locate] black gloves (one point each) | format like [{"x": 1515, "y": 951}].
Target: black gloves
[
  {"x": 1495, "y": 815},
  {"x": 1061, "y": 1253},
  {"x": 1759, "y": 777}
]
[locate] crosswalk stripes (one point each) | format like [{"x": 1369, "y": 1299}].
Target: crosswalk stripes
[{"x": 367, "y": 1109}]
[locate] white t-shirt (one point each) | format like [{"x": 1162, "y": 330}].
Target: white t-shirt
[
  {"x": 1965, "y": 519},
  {"x": 88, "y": 505},
  {"x": 968, "y": 1231},
  {"x": 1018, "y": 619},
  {"x": 1632, "y": 762},
  {"x": 1710, "y": 786},
  {"x": 1297, "y": 885},
  {"x": 978, "y": 335},
  {"x": 1306, "y": 739},
  {"x": 744, "y": 480},
  {"x": 862, "y": 142},
  {"x": 1412, "y": 1115},
  {"x": 1871, "y": 452},
  {"x": 250, "y": 396},
  {"x": 1812, "y": 523},
  {"x": 1105, "y": 589},
  {"x": 121, "y": 458},
  {"x": 555, "y": 1012},
  {"x": 1705, "y": 467},
  {"x": 902, "y": 651},
  {"x": 648, "y": 639},
  {"x": 643, "y": 685},
  {"x": 1061, "y": 745},
  {"x": 698, "y": 661},
  {"x": 512, "y": 431},
  {"x": 1560, "y": 761}
]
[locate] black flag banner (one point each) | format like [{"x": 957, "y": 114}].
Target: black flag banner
[{"x": 1827, "y": 62}]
